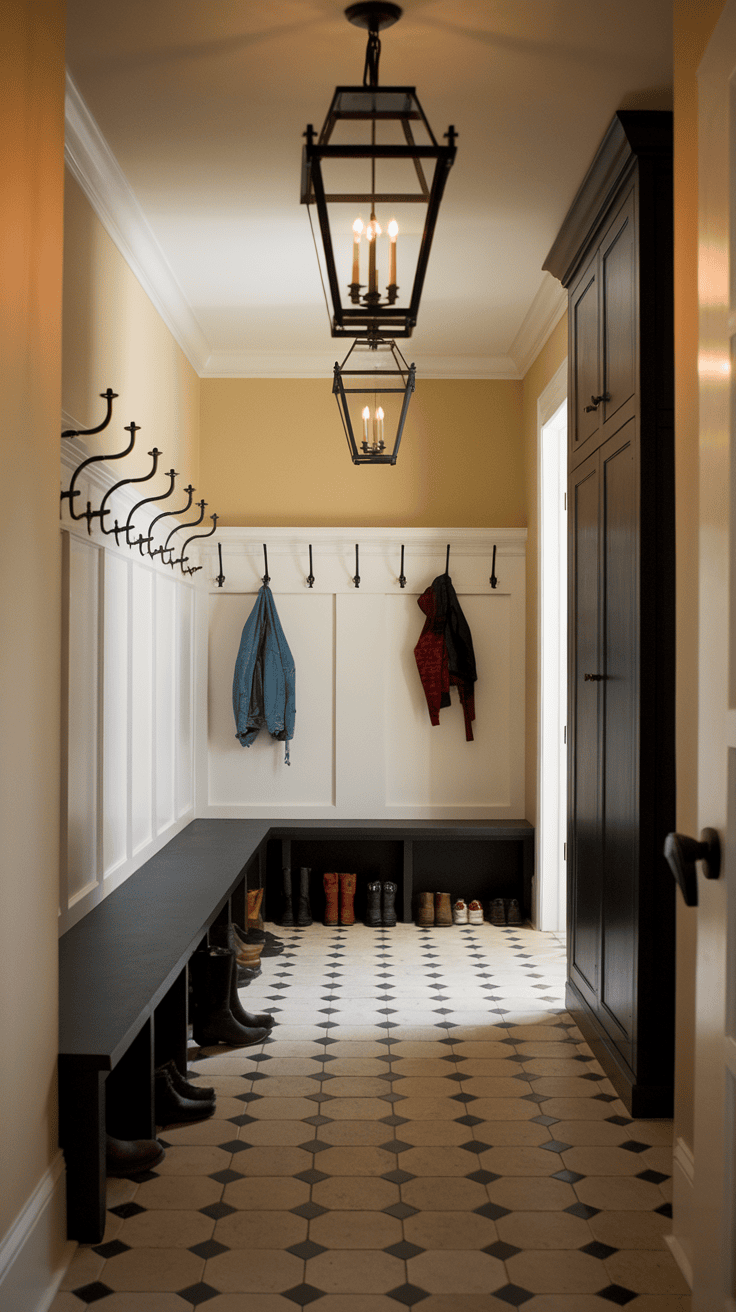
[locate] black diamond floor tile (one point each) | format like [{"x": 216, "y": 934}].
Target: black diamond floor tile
[
  {"x": 401, "y": 1210},
  {"x": 617, "y": 1294},
  {"x": 209, "y": 1248},
  {"x": 92, "y": 1293},
  {"x": 652, "y": 1177},
  {"x": 483, "y": 1177},
  {"x": 634, "y": 1146},
  {"x": 398, "y": 1177},
  {"x": 409, "y": 1295},
  {"x": 124, "y": 1210},
  {"x": 309, "y": 1210},
  {"x": 311, "y": 1177},
  {"x": 582, "y": 1210},
  {"x": 596, "y": 1249},
  {"x": 569, "y": 1177},
  {"x": 492, "y": 1210},
  {"x": 216, "y": 1211},
  {"x": 307, "y": 1249},
  {"x": 111, "y": 1249},
  {"x": 664, "y": 1210},
  {"x": 514, "y": 1295},
  {"x": 556, "y": 1146},
  {"x": 404, "y": 1250},
  {"x": 302, "y": 1295},
  {"x": 198, "y": 1294},
  {"x": 226, "y": 1177},
  {"x": 501, "y": 1250}
]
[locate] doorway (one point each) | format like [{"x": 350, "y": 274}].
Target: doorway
[{"x": 551, "y": 909}]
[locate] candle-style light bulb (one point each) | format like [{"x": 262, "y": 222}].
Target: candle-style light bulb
[
  {"x": 379, "y": 425},
  {"x": 366, "y": 420},
  {"x": 372, "y": 232},
  {"x": 393, "y": 232},
  {"x": 357, "y": 231}
]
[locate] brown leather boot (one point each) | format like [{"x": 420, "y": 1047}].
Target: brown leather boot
[
  {"x": 347, "y": 899},
  {"x": 330, "y": 882},
  {"x": 442, "y": 909},
  {"x": 255, "y": 898},
  {"x": 425, "y": 909}
]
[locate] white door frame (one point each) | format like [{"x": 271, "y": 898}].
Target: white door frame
[{"x": 551, "y": 883}]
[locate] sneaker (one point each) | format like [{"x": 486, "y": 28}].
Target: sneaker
[
  {"x": 475, "y": 912},
  {"x": 498, "y": 911},
  {"x": 513, "y": 912},
  {"x": 459, "y": 912}
]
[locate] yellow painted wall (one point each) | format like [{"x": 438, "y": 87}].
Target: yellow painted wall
[
  {"x": 114, "y": 337},
  {"x": 537, "y": 378},
  {"x": 31, "y": 198},
  {"x": 273, "y": 452},
  {"x": 693, "y": 25}
]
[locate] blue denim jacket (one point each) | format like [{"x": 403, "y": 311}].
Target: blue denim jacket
[{"x": 265, "y": 677}]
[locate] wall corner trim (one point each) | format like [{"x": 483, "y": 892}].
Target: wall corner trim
[
  {"x": 93, "y": 165},
  {"x": 540, "y": 321},
  {"x": 683, "y": 1181},
  {"x": 34, "y": 1254}
]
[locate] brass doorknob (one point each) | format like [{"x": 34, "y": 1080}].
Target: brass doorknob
[{"x": 682, "y": 852}]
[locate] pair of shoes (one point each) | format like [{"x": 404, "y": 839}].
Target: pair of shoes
[
  {"x": 129, "y": 1156},
  {"x": 303, "y": 910},
  {"x": 217, "y": 1015},
  {"x": 505, "y": 912},
  {"x": 339, "y": 898},
  {"x": 467, "y": 913},
  {"x": 380, "y": 907},
  {"x": 246, "y": 954},
  {"x": 175, "y": 1099},
  {"x": 434, "y": 909}
]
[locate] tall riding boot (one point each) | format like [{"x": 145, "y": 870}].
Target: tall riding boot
[
  {"x": 330, "y": 882},
  {"x": 304, "y": 914},
  {"x": 373, "y": 905},
  {"x": 251, "y": 1020},
  {"x": 213, "y": 1022},
  {"x": 287, "y": 910},
  {"x": 388, "y": 913},
  {"x": 347, "y": 899},
  {"x": 255, "y": 919},
  {"x": 425, "y": 909}
]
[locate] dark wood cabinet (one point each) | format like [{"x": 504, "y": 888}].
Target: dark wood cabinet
[{"x": 614, "y": 255}]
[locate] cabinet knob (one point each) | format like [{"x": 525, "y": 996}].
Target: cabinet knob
[
  {"x": 595, "y": 402},
  {"x": 682, "y": 852},
  {"x": 594, "y": 678}
]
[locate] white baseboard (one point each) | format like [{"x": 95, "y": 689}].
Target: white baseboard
[
  {"x": 683, "y": 1177},
  {"x": 35, "y": 1253}
]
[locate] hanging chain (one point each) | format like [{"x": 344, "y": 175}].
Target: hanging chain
[{"x": 372, "y": 57}]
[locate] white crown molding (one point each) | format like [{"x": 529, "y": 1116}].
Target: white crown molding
[
  {"x": 539, "y": 323},
  {"x": 291, "y": 364},
  {"x": 93, "y": 165}
]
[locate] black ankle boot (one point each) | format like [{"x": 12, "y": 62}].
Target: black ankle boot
[
  {"x": 172, "y": 1106},
  {"x": 373, "y": 905},
  {"x": 304, "y": 914},
  {"x": 287, "y": 910},
  {"x": 212, "y": 973},
  {"x": 388, "y": 912},
  {"x": 200, "y": 1092}
]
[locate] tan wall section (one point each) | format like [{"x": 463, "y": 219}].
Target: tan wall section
[
  {"x": 693, "y": 25},
  {"x": 274, "y": 452},
  {"x": 539, "y": 374},
  {"x": 31, "y": 199},
  {"x": 114, "y": 337}
]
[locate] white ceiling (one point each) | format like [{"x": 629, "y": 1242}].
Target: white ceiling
[{"x": 203, "y": 104}]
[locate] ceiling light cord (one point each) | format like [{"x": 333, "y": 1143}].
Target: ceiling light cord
[{"x": 372, "y": 58}]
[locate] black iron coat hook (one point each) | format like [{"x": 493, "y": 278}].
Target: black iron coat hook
[
  {"x": 89, "y": 514},
  {"x": 356, "y": 577},
  {"x": 447, "y": 560},
  {"x": 220, "y": 578},
  {"x": 310, "y": 575},
  {"x": 183, "y": 557},
  {"x": 108, "y": 396},
  {"x": 159, "y": 551},
  {"x": 161, "y": 496},
  {"x": 493, "y": 580},
  {"x": 266, "y": 576},
  {"x": 402, "y": 575},
  {"x": 175, "y": 529},
  {"x": 117, "y": 529}
]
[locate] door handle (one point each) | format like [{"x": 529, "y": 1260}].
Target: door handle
[
  {"x": 593, "y": 678},
  {"x": 682, "y": 852},
  {"x": 595, "y": 402}
]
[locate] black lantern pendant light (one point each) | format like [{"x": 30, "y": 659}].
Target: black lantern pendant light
[
  {"x": 376, "y": 175},
  {"x": 373, "y": 397}
]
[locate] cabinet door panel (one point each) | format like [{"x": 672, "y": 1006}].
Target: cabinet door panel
[
  {"x": 620, "y": 755},
  {"x": 584, "y": 361},
  {"x": 584, "y": 850},
  {"x": 618, "y": 312}
]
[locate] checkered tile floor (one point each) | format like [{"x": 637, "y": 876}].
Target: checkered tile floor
[{"x": 426, "y": 1128}]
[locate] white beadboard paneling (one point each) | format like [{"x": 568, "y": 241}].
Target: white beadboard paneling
[
  {"x": 165, "y": 701},
  {"x": 184, "y": 709},
  {"x": 255, "y": 779},
  {"x": 142, "y": 795},
  {"x": 83, "y": 718},
  {"x": 115, "y": 714},
  {"x": 433, "y": 765}
]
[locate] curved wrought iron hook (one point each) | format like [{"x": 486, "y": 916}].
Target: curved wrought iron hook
[
  {"x": 176, "y": 528},
  {"x": 117, "y": 528},
  {"x": 194, "y": 538},
  {"x": 108, "y": 396},
  {"x": 89, "y": 514},
  {"x": 172, "y": 473},
  {"x": 159, "y": 551}
]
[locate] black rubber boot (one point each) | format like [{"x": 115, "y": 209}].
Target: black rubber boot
[
  {"x": 213, "y": 1022},
  {"x": 373, "y": 905},
  {"x": 287, "y": 910},
  {"x": 252, "y": 1020},
  {"x": 130, "y": 1156},
  {"x": 172, "y": 1107},
  {"x": 200, "y": 1092},
  {"x": 388, "y": 913},
  {"x": 304, "y": 914}
]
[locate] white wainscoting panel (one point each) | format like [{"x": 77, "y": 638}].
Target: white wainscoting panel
[
  {"x": 128, "y": 700},
  {"x": 364, "y": 746}
]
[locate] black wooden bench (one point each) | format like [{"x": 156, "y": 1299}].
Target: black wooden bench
[{"x": 123, "y": 968}]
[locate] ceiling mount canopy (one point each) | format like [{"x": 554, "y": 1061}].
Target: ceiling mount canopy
[{"x": 376, "y": 175}]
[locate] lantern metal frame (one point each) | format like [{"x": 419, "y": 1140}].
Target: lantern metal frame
[
  {"x": 365, "y": 454},
  {"x": 367, "y": 315}
]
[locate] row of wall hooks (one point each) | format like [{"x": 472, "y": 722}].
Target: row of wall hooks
[
  {"x": 124, "y": 531},
  {"x": 310, "y": 580}
]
